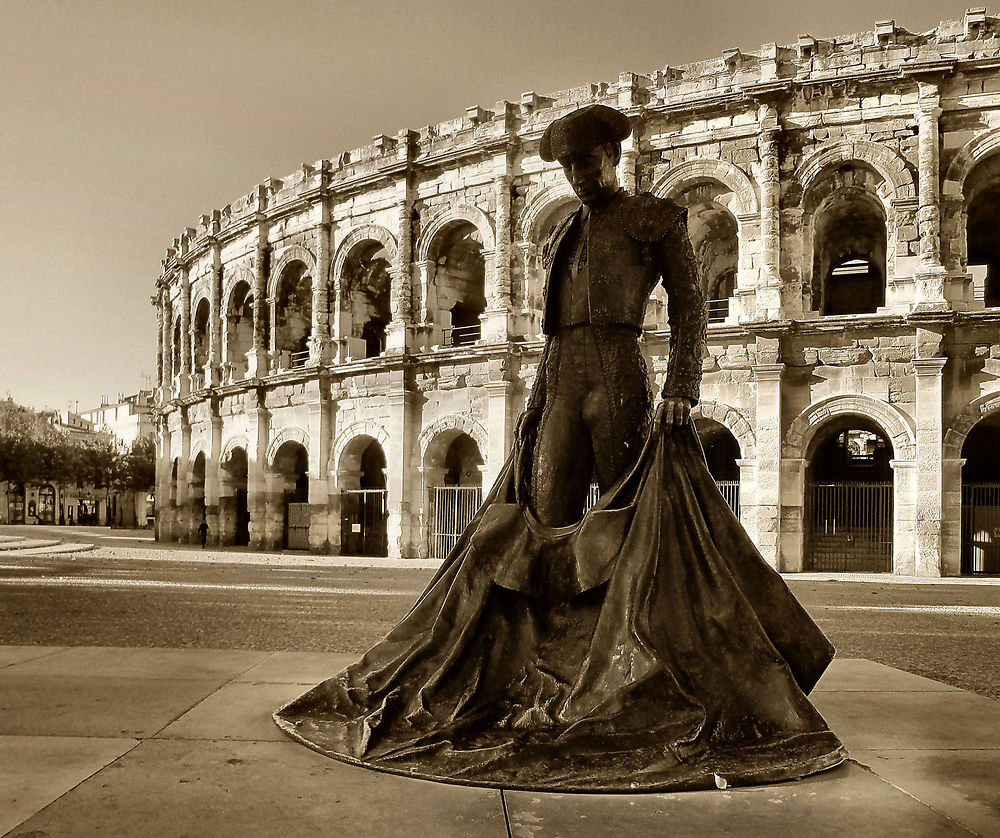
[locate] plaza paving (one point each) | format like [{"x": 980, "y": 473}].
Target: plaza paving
[{"x": 179, "y": 742}]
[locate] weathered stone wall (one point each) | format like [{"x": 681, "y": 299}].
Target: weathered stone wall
[{"x": 804, "y": 168}]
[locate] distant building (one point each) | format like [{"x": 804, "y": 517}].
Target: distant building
[
  {"x": 343, "y": 353},
  {"x": 127, "y": 418}
]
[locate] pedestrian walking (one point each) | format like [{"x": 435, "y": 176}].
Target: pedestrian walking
[{"x": 203, "y": 532}]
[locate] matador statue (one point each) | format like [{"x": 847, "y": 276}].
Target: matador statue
[{"x": 641, "y": 644}]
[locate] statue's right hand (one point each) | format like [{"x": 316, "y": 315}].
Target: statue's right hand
[{"x": 526, "y": 423}]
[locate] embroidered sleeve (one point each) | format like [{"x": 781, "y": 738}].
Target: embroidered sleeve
[{"x": 686, "y": 313}]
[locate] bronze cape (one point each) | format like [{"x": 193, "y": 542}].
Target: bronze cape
[{"x": 648, "y": 647}]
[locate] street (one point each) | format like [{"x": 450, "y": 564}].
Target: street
[{"x": 948, "y": 632}]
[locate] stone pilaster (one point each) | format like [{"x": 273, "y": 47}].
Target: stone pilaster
[
  {"x": 321, "y": 408},
  {"x": 259, "y": 435},
  {"x": 257, "y": 357},
  {"x": 497, "y": 320},
  {"x": 163, "y": 520},
  {"x": 929, "y": 485},
  {"x": 182, "y": 511},
  {"x": 398, "y": 332},
  {"x": 768, "y": 297},
  {"x": 212, "y": 481},
  {"x": 768, "y": 378},
  {"x": 500, "y": 420},
  {"x": 157, "y": 301},
  {"x": 184, "y": 379},
  {"x": 166, "y": 372},
  {"x": 213, "y": 369},
  {"x": 931, "y": 274},
  {"x": 628, "y": 164},
  {"x": 402, "y": 478},
  {"x": 319, "y": 341},
  {"x": 904, "y": 515}
]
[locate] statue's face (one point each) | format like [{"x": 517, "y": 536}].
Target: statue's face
[{"x": 591, "y": 173}]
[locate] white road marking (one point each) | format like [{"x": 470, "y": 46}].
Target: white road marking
[
  {"x": 961, "y": 610},
  {"x": 78, "y": 582}
]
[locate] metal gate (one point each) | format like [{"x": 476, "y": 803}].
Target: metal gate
[
  {"x": 15, "y": 508},
  {"x": 363, "y": 522},
  {"x": 452, "y": 508},
  {"x": 981, "y": 528},
  {"x": 849, "y": 527},
  {"x": 731, "y": 493},
  {"x": 297, "y": 526}
]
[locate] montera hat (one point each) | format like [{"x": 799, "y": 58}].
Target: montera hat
[{"x": 583, "y": 129}]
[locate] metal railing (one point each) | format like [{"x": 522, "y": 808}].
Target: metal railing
[
  {"x": 718, "y": 310},
  {"x": 461, "y": 335},
  {"x": 981, "y": 528},
  {"x": 298, "y": 359},
  {"x": 849, "y": 527},
  {"x": 731, "y": 492},
  {"x": 452, "y": 508}
]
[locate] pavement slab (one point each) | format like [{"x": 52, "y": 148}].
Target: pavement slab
[
  {"x": 170, "y": 789},
  {"x": 35, "y": 770},
  {"x": 856, "y": 675},
  {"x": 9, "y": 655},
  {"x": 848, "y": 800},
  {"x": 297, "y": 667}
]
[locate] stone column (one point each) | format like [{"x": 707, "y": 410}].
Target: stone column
[
  {"x": 157, "y": 300},
  {"x": 497, "y": 319},
  {"x": 167, "y": 372},
  {"x": 182, "y": 512},
  {"x": 929, "y": 486},
  {"x": 402, "y": 478},
  {"x": 397, "y": 337},
  {"x": 951, "y": 513},
  {"x": 184, "y": 383},
  {"x": 319, "y": 341},
  {"x": 904, "y": 514},
  {"x": 163, "y": 522},
  {"x": 259, "y": 435},
  {"x": 500, "y": 420},
  {"x": 930, "y": 275},
  {"x": 768, "y": 297},
  {"x": 213, "y": 369},
  {"x": 320, "y": 439},
  {"x": 627, "y": 165},
  {"x": 257, "y": 363},
  {"x": 769, "y": 432},
  {"x": 212, "y": 482}
]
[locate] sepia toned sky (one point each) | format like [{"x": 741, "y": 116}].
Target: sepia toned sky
[{"x": 123, "y": 121}]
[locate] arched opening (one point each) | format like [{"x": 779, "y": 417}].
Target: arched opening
[
  {"x": 15, "y": 504},
  {"x": 722, "y": 453},
  {"x": 849, "y": 246},
  {"x": 234, "y": 506},
  {"x": 200, "y": 344},
  {"x": 364, "y": 516},
  {"x": 197, "y": 492},
  {"x": 47, "y": 505},
  {"x": 714, "y": 235},
  {"x": 849, "y": 490},
  {"x": 291, "y": 465},
  {"x": 293, "y": 316},
  {"x": 454, "y": 478},
  {"x": 239, "y": 330},
  {"x": 981, "y": 498},
  {"x": 367, "y": 284},
  {"x": 983, "y": 222},
  {"x": 460, "y": 279}
]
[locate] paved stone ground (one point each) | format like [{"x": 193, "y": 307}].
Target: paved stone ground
[{"x": 179, "y": 742}]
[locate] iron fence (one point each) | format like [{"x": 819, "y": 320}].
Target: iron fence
[
  {"x": 849, "y": 527},
  {"x": 981, "y": 528},
  {"x": 452, "y": 508},
  {"x": 718, "y": 310},
  {"x": 462, "y": 335}
]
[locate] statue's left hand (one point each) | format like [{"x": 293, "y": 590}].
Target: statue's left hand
[{"x": 673, "y": 412}]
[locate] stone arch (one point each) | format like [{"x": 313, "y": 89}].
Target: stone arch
[
  {"x": 974, "y": 412},
  {"x": 454, "y": 422},
  {"x": 887, "y": 163},
  {"x": 232, "y": 278},
  {"x": 294, "y": 253},
  {"x": 972, "y": 153},
  {"x": 731, "y": 419},
  {"x": 366, "y": 427},
  {"x": 367, "y": 232},
  {"x": 897, "y": 426},
  {"x": 285, "y": 435},
  {"x": 441, "y": 222},
  {"x": 235, "y": 442},
  {"x": 699, "y": 169},
  {"x": 537, "y": 208}
]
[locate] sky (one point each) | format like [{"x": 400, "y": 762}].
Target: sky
[{"x": 122, "y": 122}]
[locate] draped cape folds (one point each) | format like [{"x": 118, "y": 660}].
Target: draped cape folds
[{"x": 647, "y": 648}]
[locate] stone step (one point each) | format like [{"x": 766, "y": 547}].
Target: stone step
[
  {"x": 25, "y": 543},
  {"x": 58, "y": 548}
]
